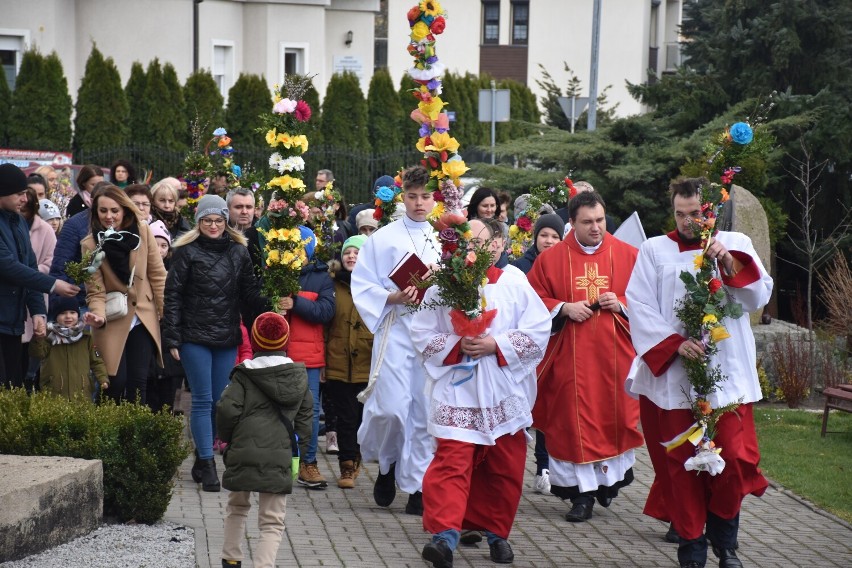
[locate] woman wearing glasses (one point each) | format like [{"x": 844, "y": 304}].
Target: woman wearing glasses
[
  {"x": 209, "y": 280},
  {"x": 131, "y": 264}
]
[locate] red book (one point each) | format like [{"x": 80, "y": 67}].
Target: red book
[{"x": 409, "y": 271}]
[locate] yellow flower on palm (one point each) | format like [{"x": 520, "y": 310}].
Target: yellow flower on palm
[
  {"x": 271, "y": 234},
  {"x": 273, "y": 257},
  {"x": 513, "y": 231},
  {"x": 709, "y": 319},
  {"x": 285, "y": 139},
  {"x": 271, "y": 138},
  {"x": 454, "y": 169},
  {"x": 443, "y": 141},
  {"x": 431, "y": 8},
  {"x": 698, "y": 261},
  {"x": 301, "y": 140},
  {"x": 467, "y": 235},
  {"x": 719, "y": 333},
  {"x": 419, "y": 31},
  {"x": 431, "y": 109},
  {"x": 421, "y": 144}
]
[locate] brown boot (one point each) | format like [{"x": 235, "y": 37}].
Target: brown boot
[{"x": 347, "y": 475}]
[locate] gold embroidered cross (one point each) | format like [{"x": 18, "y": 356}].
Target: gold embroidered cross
[{"x": 591, "y": 282}]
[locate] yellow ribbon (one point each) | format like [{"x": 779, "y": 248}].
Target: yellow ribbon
[{"x": 694, "y": 434}]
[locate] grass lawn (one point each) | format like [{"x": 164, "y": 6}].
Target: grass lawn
[{"x": 794, "y": 455}]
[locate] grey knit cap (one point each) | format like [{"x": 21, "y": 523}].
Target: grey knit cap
[{"x": 211, "y": 204}]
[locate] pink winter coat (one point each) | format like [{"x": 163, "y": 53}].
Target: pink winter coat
[{"x": 43, "y": 240}]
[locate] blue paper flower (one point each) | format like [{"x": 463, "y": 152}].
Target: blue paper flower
[
  {"x": 741, "y": 133},
  {"x": 219, "y": 132},
  {"x": 238, "y": 171},
  {"x": 385, "y": 193}
]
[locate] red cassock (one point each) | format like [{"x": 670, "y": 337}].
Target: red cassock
[{"x": 582, "y": 407}]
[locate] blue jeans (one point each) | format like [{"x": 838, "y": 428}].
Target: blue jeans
[
  {"x": 207, "y": 371},
  {"x": 314, "y": 385}
]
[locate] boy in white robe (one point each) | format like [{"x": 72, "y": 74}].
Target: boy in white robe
[
  {"x": 393, "y": 429},
  {"x": 479, "y": 414}
]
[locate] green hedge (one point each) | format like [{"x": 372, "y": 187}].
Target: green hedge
[{"x": 140, "y": 451}]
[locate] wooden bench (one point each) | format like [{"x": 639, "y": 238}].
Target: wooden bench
[{"x": 837, "y": 398}]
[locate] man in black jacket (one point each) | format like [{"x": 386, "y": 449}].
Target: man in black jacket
[{"x": 22, "y": 286}]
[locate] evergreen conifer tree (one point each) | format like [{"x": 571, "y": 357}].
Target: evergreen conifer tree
[
  {"x": 102, "y": 111},
  {"x": 5, "y": 109},
  {"x": 312, "y": 130},
  {"x": 177, "y": 107},
  {"x": 385, "y": 112},
  {"x": 135, "y": 93},
  {"x": 59, "y": 104},
  {"x": 247, "y": 100},
  {"x": 40, "y": 116},
  {"x": 407, "y": 103},
  {"x": 204, "y": 102},
  {"x": 344, "y": 129},
  {"x": 159, "y": 129}
]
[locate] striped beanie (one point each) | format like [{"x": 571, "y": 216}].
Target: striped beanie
[{"x": 270, "y": 332}]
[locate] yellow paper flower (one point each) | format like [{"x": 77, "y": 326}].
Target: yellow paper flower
[
  {"x": 272, "y": 234},
  {"x": 285, "y": 139},
  {"x": 467, "y": 235},
  {"x": 285, "y": 182},
  {"x": 273, "y": 257},
  {"x": 699, "y": 261},
  {"x": 421, "y": 144},
  {"x": 454, "y": 169},
  {"x": 270, "y": 137},
  {"x": 443, "y": 141},
  {"x": 433, "y": 108},
  {"x": 301, "y": 140},
  {"x": 719, "y": 333},
  {"x": 709, "y": 319},
  {"x": 513, "y": 231},
  {"x": 431, "y": 8},
  {"x": 419, "y": 31}
]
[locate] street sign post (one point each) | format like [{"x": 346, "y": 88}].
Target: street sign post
[{"x": 493, "y": 108}]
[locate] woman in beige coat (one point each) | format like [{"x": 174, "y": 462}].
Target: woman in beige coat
[{"x": 127, "y": 344}]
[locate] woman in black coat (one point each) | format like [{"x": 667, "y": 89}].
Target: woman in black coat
[{"x": 210, "y": 280}]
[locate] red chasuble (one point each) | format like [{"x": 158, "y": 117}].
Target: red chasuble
[{"x": 582, "y": 406}]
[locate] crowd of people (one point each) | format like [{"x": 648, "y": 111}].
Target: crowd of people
[{"x": 584, "y": 343}]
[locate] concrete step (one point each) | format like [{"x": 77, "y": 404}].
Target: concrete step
[{"x": 47, "y": 501}]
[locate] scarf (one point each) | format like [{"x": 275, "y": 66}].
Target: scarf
[
  {"x": 170, "y": 218},
  {"x": 117, "y": 251},
  {"x": 61, "y": 335},
  {"x": 344, "y": 276}
]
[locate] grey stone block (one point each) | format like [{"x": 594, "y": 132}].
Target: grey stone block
[{"x": 47, "y": 501}]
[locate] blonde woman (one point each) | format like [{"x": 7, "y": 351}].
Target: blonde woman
[
  {"x": 210, "y": 279},
  {"x": 164, "y": 206}
]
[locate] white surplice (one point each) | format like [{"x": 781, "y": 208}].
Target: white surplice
[
  {"x": 479, "y": 401},
  {"x": 653, "y": 293},
  {"x": 393, "y": 428}
]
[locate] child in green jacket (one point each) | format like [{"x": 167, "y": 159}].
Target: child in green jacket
[
  {"x": 266, "y": 408},
  {"x": 68, "y": 353}
]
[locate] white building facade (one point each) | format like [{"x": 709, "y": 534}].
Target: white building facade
[
  {"x": 505, "y": 38},
  {"x": 510, "y": 38},
  {"x": 268, "y": 37}
]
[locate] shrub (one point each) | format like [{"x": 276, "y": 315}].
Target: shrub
[
  {"x": 248, "y": 98},
  {"x": 793, "y": 361},
  {"x": 204, "y": 102},
  {"x": 135, "y": 93},
  {"x": 40, "y": 117},
  {"x": 140, "y": 451},
  {"x": 5, "y": 109}
]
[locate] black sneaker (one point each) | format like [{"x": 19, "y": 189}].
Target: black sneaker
[
  {"x": 384, "y": 491},
  {"x": 415, "y": 504}
]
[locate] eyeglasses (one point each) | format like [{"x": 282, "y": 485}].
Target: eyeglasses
[
  {"x": 142, "y": 204},
  {"x": 210, "y": 222}
]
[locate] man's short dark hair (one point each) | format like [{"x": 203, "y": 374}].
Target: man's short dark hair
[
  {"x": 687, "y": 187},
  {"x": 584, "y": 199},
  {"x": 415, "y": 176}
]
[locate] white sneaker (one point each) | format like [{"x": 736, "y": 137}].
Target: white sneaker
[
  {"x": 331, "y": 446},
  {"x": 542, "y": 482}
]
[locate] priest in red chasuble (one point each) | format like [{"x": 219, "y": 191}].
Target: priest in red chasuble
[{"x": 588, "y": 419}]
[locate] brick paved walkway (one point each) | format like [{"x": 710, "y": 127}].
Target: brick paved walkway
[{"x": 345, "y": 528}]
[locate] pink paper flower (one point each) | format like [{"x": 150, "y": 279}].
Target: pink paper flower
[
  {"x": 284, "y": 106},
  {"x": 303, "y": 111}
]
